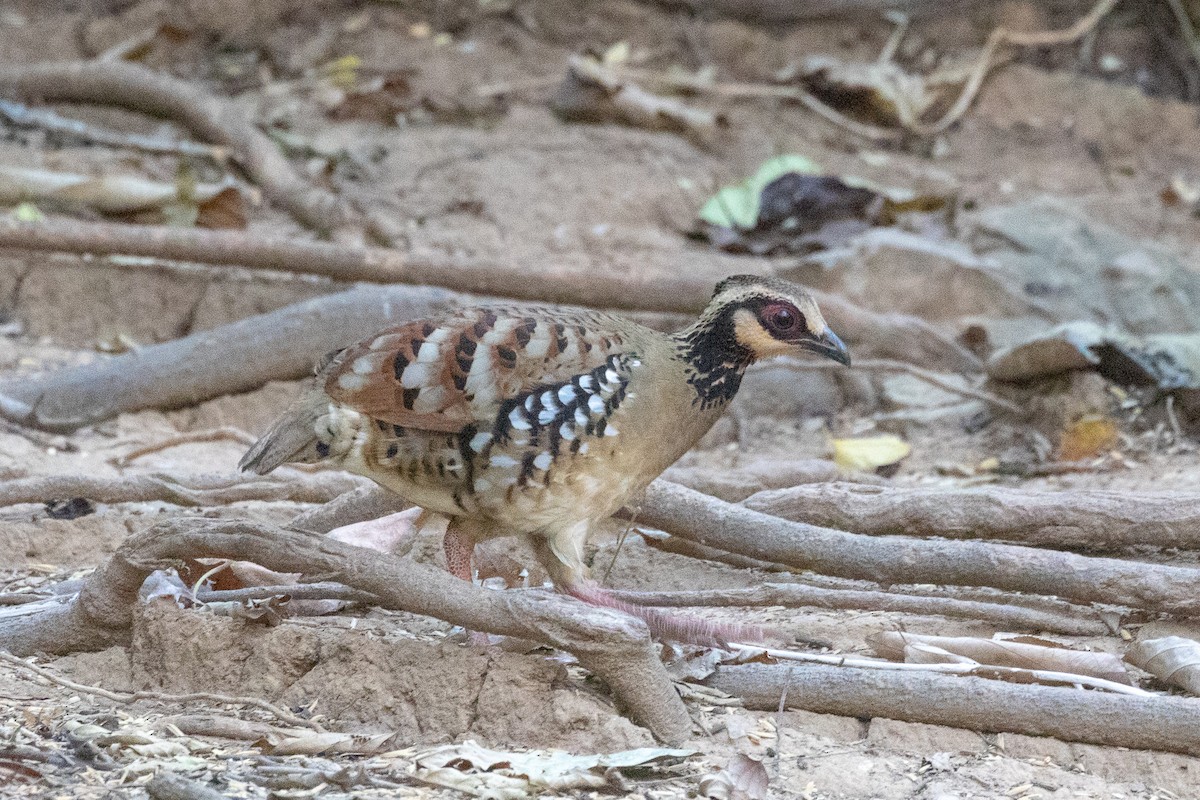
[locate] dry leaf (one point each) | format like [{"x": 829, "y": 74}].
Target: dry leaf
[
  {"x": 482, "y": 772},
  {"x": 283, "y": 742},
  {"x": 879, "y": 91},
  {"x": 895, "y": 645},
  {"x": 870, "y": 453},
  {"x": 1172, "y": 659},
  {"x": 1088, "y": 437},
  {"x": 744, "y": 779},
  {"x": 592, "y": 92},
  {"x": 112, "y": 194},
  {"x": 224, "y": 211}
]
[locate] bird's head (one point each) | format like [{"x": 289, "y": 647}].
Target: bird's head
[{"x": 771, "y": 317}]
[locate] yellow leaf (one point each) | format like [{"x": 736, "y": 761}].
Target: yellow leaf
[
  {"x": 1088, "y": 437},
  {"x": 870, "y": 453},
  {"x": 343, "y": 72},
  {"x": 28, "y": 212},
  {"x": 617, "y": 54}
]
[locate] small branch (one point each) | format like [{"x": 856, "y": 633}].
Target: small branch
[
  {"x": 1169, "y": 724},
  {"x": 940, "y": 381},
  {"x": 189, "y": 490},
  {"x": 162, "y": 697},
  {"x": 298, "y": 591},
  {"x": 651, "y": 291},
  {"x": 895, "y": 559},
  {"x": 614, "y": 646},
  {"x": 1080, "y": 519},
  {"x": 224, "y": 434},
  {"x": 44, "y": 119},
  {"x": 211, "y": 118},
  {"x": 989, "y": 671},
  {"x": 791, "y": 595}
]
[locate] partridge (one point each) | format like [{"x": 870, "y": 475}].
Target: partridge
[{"x": 540, "y": 421}]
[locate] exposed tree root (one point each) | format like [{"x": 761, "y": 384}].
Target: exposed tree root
[
  {"x": 895, "y": 559},
  {"x": 1078, "y": 519},
  {"x": 614, "y": 646},
  {"x": 1171, "y": 724}
]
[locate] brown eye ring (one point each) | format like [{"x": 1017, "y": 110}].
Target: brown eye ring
[{"x": 782, "y": 319}]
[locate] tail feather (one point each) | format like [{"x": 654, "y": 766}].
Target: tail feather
[{"x": 292, "y": 438}]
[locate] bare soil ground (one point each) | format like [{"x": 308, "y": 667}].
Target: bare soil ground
[{"x": 522, "y": 188}]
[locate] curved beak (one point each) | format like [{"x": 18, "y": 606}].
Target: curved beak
[{"x": 829, "y": 345}]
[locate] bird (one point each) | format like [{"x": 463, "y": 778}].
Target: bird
[{"x": 541, "y": 421}]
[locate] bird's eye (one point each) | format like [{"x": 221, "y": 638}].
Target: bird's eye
[{"x": 782, "y": 319}]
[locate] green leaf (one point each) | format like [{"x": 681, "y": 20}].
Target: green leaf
[{"x": 737, "y": 206}]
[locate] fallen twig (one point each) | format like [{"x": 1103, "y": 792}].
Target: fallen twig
[
  {"x": 1006, "y": 617},
  {"x": 183, "y": 490},
  {"x": 162, "y": 697},
  {"x": 940, "y": 381},
  {"x": 47, "y": 120},
  {"x": 298, "y": 591},
  {"x": 614, "y": 646},
  {"x": 650, "y": 291},
  {"x": 1079, "y": 519},
  {"x": 1170, "y": 724},
  {"x": 224, "y": 434},
  {"x": 989, "y": 671},
  {"x": 1007, "y": 610},
  {"x": 895, "y": 559},
  {"x": 209, "y": 117}
]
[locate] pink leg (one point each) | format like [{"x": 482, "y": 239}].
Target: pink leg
[
  {"x": 676, "y": 627},
  {"x": 459, "y": 550}
]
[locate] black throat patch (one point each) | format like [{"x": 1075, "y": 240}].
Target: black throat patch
[{"x": 716, "y": 359}]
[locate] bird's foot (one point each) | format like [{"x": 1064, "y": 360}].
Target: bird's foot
[{"x": 683, "y": 628}]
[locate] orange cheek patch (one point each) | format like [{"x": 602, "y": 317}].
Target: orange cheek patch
[{"x": 750, "y": 332}]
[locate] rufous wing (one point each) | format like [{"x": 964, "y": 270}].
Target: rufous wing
[{"x": 441, "y": 375}]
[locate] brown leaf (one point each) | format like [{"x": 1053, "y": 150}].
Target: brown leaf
[
  {"x": 226, "y": 209},
  {"x": 1088, "y": 437},
  {"x": 380, "y": 99}
]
